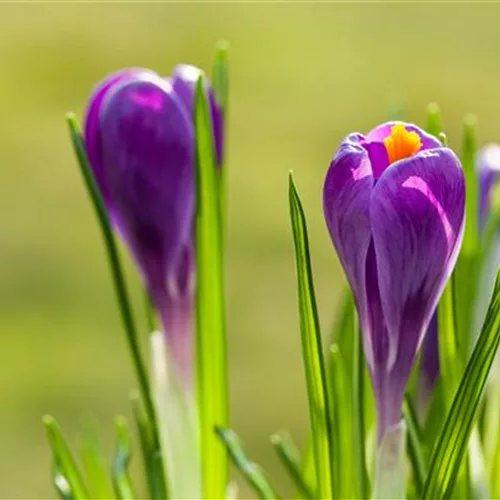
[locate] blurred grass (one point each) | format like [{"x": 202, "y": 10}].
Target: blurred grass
[{"x": 302, "y": 76}]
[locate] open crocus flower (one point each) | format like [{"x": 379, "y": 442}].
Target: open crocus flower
[
  {"x": 394, "y": 203},
  {"x": 139, "y": 138}
]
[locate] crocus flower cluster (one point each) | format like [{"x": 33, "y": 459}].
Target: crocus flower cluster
[
  {"x": 394, "y": 203},
  {"x": 139, "y": 137}
]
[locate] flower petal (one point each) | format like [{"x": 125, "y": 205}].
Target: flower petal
[
  {"x": 147, "y": 148},
  {"x": 92, "y": 124},
  {"x": 184, "y": 80},
  {"x": 417, "y": 220},
  {"x": 346, "y": 204}
]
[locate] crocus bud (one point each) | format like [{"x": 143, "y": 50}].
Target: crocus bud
[
  {"x": 139, "y": 137},
  {"x": 394, "y": 203}
]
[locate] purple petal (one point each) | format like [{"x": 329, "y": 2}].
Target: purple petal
[
  {"x": 92, "y": 124},
  {"x": 147, "y": 144},
  {"x": 184, "y": 80},
  {"x": 346, "y": 204},
  {"x": 417, "y": 220},
  {"x": 381, "y": 132}
]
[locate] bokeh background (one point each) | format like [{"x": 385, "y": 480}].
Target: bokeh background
[{"x": 302, "y": 76}]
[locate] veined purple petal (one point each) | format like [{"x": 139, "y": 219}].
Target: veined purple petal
[
  {"x": 92, "y": 125},
  {"x": 184, "y": 80},
  {"x": 417, "y": 220},
  {"x": 346, "y": 204},
  {"x": 147, "y": 143}
]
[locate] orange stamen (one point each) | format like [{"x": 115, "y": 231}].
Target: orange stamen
[{"x": 401, "y": 143}]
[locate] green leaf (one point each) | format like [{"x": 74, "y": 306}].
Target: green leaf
[
  {"x": 151, "y": 456},
  {"x": 344, "y": 460},
  {"x": 450, "y": 369},
  {"x": 115, "y": 266},
  {"x": 121, "y": 476},
  {"x": 451, "y": 447},
  {"x": 94, "y": 463},
  {"x": 434, "y": 125},
  {"x": 67, "y": 477},
  {"x": 211, "y": 356},
  {"x": 220, "y": 75},
  {"x": 250, "y": 470},
  {"x": 358, "y": 384},
  {"x": 471, "y": 233},
  {"x": 61, "y": 484},
  {"x": 290, "y": 458},
  {"x": 317, "y": 388},
  {"x": 415, "y": 445}
]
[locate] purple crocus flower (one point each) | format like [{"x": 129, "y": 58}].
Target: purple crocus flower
[
  {"x": 394, "y": 203},
  {"x": 139, "y": 138}
]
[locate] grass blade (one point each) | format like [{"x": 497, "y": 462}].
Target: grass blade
[
  {"x": 151, "y": 456},
  {"x": 451, "y": 448},
  {"x": 220, "y": 75},
  {"x": 250, "y": 470},
  {"x": 434, "y": 125},
  {"x": 415, "y": 446},
  {"x": 291, "y": 460},
  {"x": 343, "y": 453},
  {"x": 317, "y": 388},
  {"x": 121, "y": 476},
  {"x": 211, "y": 356},
  {"x": 94, "y": 463},
  {"x": 358, "y": 384},
  {"x": 115, "y": 266},
  {"x": 67, "y": 477},
  {"x": 450, "y": 369},
  {"x": 61, "y": 484}
]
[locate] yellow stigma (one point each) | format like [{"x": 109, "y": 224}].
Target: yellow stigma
[{"x": 401, "y": 143}]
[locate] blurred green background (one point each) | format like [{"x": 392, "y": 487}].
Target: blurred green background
[{"x": 302, "y": 76}]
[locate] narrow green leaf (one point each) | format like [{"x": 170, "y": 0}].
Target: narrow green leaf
[
  {"x": 67, "y": 478},
  {"x": 317, "y": 388},
  {"x": 115, "y": 265},
  {"x": 343, "y": 451},
  {"x": 211, "y": 356},
  {"x": 450, "y": 369},
  {"x": 434, "y": 125},
  {"x": 471, "y": 233},
  {"x": 358, "y": 381},
  {"x": 151, "y": 456},
  {"x": 290, "y": 458},
  {"x": 451, "y": 447},
  {"x": 250, "y": 470},
  {"x": 61, "y": 484},
  {"x": 341, "y": 334},
  {"x": 220, "y": 85},
  {"x": 94, "y": 463},
  {"x": 415, "y": 445},
  {"x": 220, "y": 75},
  {"x": 122, "y": 481}
]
